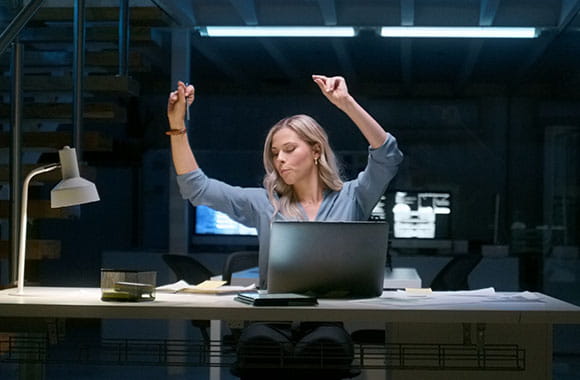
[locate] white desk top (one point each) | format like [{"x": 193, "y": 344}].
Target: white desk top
[{"x": 45, "y": 302}]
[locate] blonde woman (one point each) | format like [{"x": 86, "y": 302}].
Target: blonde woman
[{"x": 302, "y": 180}]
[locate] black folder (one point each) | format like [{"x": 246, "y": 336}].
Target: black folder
[{"x": 276, "y": 299}]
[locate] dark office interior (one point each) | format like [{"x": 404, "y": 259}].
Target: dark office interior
[{"x": 493, "y": 122}]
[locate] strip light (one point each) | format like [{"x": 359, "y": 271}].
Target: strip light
[
  {"x": 277, "y": 31},
  {"x": 459, "y": 32}
]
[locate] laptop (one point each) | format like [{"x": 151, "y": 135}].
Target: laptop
[{"x": 328, "y": 259}]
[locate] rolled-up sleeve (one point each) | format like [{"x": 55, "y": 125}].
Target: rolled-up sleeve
[
  {"x": 240, "y": 203},
  {"x": 383, "y": 164}
]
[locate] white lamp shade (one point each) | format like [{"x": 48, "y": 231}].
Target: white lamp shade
[{"x": 73, "y": 191}]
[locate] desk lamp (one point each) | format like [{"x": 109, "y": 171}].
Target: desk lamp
[{"x": 72, "y": 190}]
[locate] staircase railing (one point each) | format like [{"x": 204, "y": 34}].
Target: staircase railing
[
  {"x": 18, "y": 23},
  {"x": 9, "y": 37}
]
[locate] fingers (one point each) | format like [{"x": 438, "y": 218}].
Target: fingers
[
  {"x": 321, "y": 81},
  {"x": 189, "y": 94},
  {"x": 180, "y": 99},
  {"x": 333, "y": 83},
  {"x": 173, "y": 97},
  {"x": 183, "y": 91},
  {"x": 327, "y": 84}
]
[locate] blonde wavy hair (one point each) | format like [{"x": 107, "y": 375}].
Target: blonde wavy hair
[{"x": 282, "y": 195}]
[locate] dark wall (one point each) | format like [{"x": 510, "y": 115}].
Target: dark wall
[{"x": 479, "y": 148}]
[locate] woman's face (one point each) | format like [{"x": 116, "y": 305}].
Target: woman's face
[{"x": 293, "y": 158}]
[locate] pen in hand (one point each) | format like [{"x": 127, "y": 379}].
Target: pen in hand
[{"x": 187, "y": 104}]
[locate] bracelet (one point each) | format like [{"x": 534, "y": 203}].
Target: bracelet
[{"x": 174, "y": 132}]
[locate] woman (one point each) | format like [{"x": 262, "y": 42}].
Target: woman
[
  {"x": 301, "y": 183},
  {"x": 302, "y": 180}
]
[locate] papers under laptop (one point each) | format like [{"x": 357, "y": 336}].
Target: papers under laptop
[{"x": 328, "y": 259}]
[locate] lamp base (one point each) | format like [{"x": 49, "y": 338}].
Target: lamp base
[{"x": 24, "y": 293}]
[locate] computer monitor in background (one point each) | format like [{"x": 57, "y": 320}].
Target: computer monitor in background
[
  {"x": 209, "y": 221},
  {"x": 213, "y": 229},
  {"x": 416, "y": 214}
]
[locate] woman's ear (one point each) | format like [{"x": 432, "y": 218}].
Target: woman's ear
[{"x": 316, "y": 150}]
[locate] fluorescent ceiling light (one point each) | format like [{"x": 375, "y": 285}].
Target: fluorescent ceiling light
[
  {"x": 459, "y": 32},
  {"x": 277, "y": 31}
]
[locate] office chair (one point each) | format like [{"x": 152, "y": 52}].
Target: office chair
[
  {"x": 455, "y": 274},
  {"x": 187, "y": 268},
  {"x": 193, "y": 272},
  {"x": 238, "y": 261}
]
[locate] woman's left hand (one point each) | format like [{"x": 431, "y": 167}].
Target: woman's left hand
[{"x": 334, "y": 88}]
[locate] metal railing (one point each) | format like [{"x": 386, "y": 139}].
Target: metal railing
[
  {"x": 9, "y": 37},
  {"x": 186, "y": 353}
]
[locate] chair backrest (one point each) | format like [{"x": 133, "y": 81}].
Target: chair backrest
[
  {"x": 454, "y": 275},
  {"x": 238, "y": 261},
  {"x": 187, "y": 268}
]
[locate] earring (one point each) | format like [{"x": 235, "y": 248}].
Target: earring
[{"x": 316, "y": 161}]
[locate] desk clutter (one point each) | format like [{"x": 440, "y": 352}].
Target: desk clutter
[
  {"x": 205, "y": 287},
  {"x": 276, "y": 299},
  {"x": 127, "y": 285}
]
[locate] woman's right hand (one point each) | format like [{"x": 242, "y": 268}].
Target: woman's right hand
[{"x": 176, "y": 104}]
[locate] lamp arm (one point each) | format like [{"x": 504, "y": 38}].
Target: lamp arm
[{"x": 24, "y": 221}]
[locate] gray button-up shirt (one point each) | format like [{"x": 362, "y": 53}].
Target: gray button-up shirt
[{"x": 251, "y": 206}]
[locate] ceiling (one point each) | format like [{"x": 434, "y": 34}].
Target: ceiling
[{"x": 388, "y": 65}]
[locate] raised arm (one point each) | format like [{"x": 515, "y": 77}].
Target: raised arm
[
  {"x": 183, "y": 158},
  {"x": 335, "y": 90}
]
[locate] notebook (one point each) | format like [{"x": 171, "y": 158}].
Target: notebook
[
  {"x": 275, "y": 299},
  {"x": 328, "y": 259}
]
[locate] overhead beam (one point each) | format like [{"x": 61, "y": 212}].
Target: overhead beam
[
  {"x": 181, "y": 12},
  {"x": 280, "y": 59},
  {"x": 205, "y": 49},
  {"x": 568, "y": 10},
  {"x": 247, "y": 10},
  {"x": 487, "y": 13},
  {"x": 407, "y": 12},
  {"x": 407, "y": 19},
  {"x": 328, "y": 11}
]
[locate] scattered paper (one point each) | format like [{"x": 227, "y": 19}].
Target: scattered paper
[
  {"x": 206, "y": 287},
  {"x": 210, "y": 284},
  {"x": 414, "y": 297},
  {"x": 418, "y": 291}
]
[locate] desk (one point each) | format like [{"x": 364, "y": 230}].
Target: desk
[{"x": 527, "y": 324}]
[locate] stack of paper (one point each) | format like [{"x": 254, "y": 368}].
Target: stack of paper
[{"x": 206, "y": 287}]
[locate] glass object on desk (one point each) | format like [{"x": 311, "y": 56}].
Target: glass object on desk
[{"x": 128, "y": 285}]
